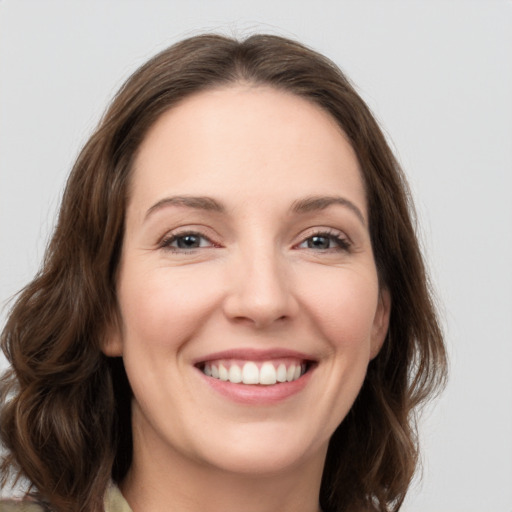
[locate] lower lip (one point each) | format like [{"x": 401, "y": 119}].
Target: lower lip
[{"x": 254, "y": 394}]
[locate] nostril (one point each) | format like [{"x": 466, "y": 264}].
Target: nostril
[{"x": 260, "y": 297}]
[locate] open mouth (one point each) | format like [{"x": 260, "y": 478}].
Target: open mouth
[{"x": 265, "y": 373}]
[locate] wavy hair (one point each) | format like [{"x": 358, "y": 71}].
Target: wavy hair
[{"x": 65, "y": 407}]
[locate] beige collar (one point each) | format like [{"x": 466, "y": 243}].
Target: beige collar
[{"x": 114, "y": 500}]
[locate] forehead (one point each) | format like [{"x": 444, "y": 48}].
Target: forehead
[{"x": 250, "y": 138}]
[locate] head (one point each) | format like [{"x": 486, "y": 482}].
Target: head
[{"x": 372, "y": 453}]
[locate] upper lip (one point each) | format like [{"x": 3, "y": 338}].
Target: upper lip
[{"x": 251, "y": 354}]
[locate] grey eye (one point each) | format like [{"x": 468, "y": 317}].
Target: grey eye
[
  {"x": 187, "y": 241},
  {"x": 325, "y": 242},
  {"x": 319, "y": 242}
]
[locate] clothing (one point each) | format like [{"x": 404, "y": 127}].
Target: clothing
[{"x": 114, "y": 502}]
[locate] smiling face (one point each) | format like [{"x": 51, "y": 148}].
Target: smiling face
[{"x": 248, "y": 294}]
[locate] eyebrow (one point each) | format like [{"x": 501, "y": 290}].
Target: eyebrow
[
  {"x": 305, "y": 205},
  {"x": 199, "y": 203},
  {"x": 315, "y": 203}
]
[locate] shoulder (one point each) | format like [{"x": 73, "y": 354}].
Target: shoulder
[
  {"x": 114, "y": 502},
  {"x": 19, "y": 506}
]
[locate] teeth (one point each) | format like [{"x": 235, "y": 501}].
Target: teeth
[
  {"x": 223, "y": 372},
  {"x": 281, "y": 373},
  {"x": 250, "y": 373},
  {"x": 268, "y": 374},
  {"x": 235, "y": 374}
]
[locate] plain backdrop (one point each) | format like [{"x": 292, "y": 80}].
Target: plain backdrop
[{"x": 437, "y": 74}]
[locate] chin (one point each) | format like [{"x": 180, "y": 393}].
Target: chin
[
  {"x": 259, "y": 464},
  {"x": 265, "y": 451}
]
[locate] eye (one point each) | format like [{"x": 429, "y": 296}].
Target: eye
[
  {"x": 325, "y": 241},
  {"x": 186, "y": 241}
]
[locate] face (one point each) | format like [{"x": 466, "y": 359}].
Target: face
[{"x": 248, "y": 293}]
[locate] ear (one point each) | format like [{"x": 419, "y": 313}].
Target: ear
[
  {"x": 380, "y": 322},
  {"x": 112, "y": 343}
]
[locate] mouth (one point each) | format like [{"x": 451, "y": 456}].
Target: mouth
[
  {"x": 257, "y": 377},
  {"x": 256, "y": 372}
]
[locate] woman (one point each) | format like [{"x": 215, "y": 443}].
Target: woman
[{"x": 233, "y": 310}]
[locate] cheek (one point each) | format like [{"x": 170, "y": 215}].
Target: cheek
[
  {"x": 343, "y": 304},
  {"x": 164, "y": 306}
]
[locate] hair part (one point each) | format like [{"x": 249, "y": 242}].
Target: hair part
[{"x": 65, "y": 407}]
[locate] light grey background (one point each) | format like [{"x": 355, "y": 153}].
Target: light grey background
[{"x": 437, "y": 73}]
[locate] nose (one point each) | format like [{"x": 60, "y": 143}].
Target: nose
[{"x": 260, "y": 290}]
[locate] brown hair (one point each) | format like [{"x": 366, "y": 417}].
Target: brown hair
[{"x": 65, "y": 407}]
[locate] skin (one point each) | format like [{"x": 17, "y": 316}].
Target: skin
[{"x": 258, "y": 280}]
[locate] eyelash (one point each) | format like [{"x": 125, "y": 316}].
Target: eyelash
[
  {"x": 167, "y": 242},
  {"x": 342, "y": 243}
]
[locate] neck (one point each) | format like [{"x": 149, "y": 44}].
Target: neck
[{"x": 177, "y": 483}]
